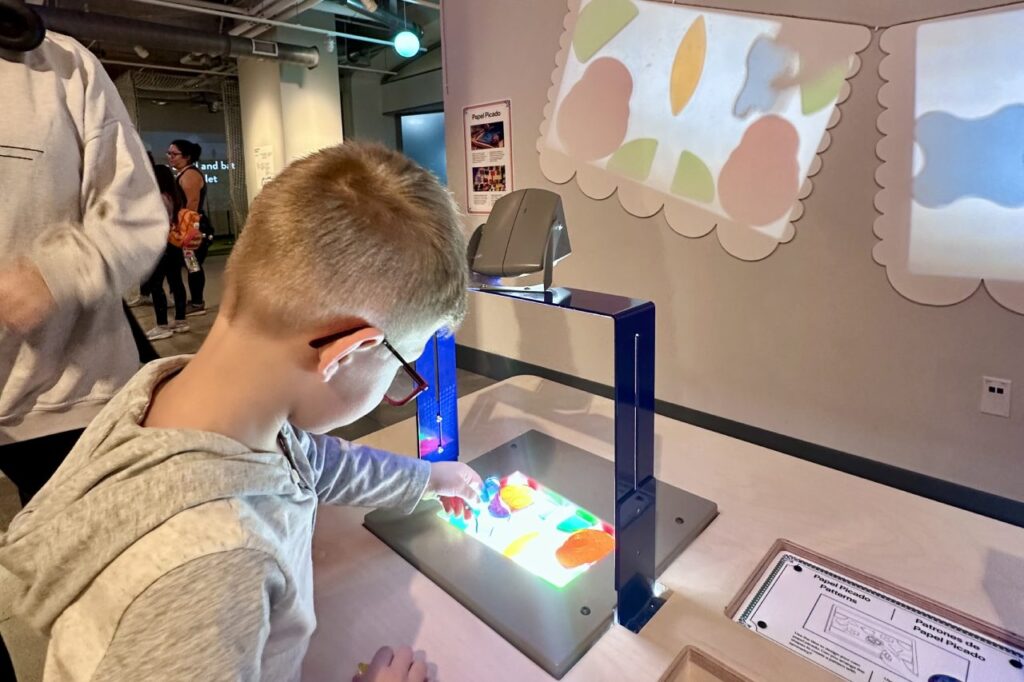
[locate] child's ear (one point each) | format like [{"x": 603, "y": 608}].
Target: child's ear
[{"x": 340, "y": 352}]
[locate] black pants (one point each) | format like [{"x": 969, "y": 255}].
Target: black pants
[
  {"x": 197, "y": 279},
  {"x": 29, "y": 464},
  {"x": 168, "y": 268}
]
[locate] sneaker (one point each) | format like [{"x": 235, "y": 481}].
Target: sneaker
[
  {"x": 137, "y": 301},
  {"x": 194, "y": 310},
  {"x": 159, "y": 332},
  {"x": 178, "y": 327}
]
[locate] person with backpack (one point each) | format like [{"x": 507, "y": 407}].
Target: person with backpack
[{"x": 183, "y": 156}]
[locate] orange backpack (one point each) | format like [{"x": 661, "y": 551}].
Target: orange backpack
[{"x": 185, "y": 232}]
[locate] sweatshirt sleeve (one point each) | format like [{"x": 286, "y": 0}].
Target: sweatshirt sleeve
[
  {"x": 206, "y": 620},
  {"x": 346, "y": 473},
  {"x": 123, "y": 228}
]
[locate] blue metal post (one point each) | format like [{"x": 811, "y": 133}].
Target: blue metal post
[{"x": 437, "y": 409}]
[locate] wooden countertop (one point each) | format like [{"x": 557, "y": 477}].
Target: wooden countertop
[{"x": 367, "y": 596}]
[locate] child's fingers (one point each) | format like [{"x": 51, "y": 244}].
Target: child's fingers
[
  {"x": 381, "y": 659},
  {"x": 418, "y": 672},
  {"x": 403, "y": 659}
]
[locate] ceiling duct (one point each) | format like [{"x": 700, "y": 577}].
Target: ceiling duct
[{"x": 89, "y": 26}]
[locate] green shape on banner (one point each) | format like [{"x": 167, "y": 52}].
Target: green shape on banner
[
  {"x": 693, "y": 179},
  {"x": 586, "y": 516},
  {"x": 634, "y": 159},
  {"x": 819, "y": 93},
  {"x": 598, "y": 23}
]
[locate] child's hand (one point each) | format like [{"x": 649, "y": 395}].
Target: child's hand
[
  {"x": 397, "y": 666},
  {"x": 456, "y": 486}
]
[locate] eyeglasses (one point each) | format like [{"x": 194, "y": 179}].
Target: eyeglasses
[
  {"x": 407, "y": 384},
  {"x": 174, "y": 154}
]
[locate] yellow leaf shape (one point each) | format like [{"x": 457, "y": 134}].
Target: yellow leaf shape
[
  {"x": 688, "y": 65},
  {"x": 517, "y": 545}
]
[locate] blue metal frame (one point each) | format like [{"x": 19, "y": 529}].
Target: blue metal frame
[
  {"x": 437, "y": 409},
  {"x": 635, "y": 485}
]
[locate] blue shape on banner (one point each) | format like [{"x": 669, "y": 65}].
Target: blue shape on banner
[
  {"x": 766, "y": 61},
  {"x": 977, "y": 157}
]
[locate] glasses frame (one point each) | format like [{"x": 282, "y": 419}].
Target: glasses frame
[{"x": 419, "y": 383}]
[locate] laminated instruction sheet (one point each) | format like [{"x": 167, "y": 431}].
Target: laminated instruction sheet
[{"x": 865, "y": 635}]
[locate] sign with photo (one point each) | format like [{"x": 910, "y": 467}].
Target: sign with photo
[{"x": 488, "y": 154}]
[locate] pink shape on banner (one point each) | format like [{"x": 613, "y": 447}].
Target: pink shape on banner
[
  {"x": 593, "y": 118},
  {"x": 760, "y": 180}
]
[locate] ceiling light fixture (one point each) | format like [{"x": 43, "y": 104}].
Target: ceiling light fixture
[{"x": 407, "y": 43}]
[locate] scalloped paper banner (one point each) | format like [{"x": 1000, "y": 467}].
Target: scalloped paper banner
[
  {"x": 952, "y": 174},
  {"x": 716, "y": 117}
]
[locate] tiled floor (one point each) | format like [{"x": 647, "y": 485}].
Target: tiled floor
[{"x": 28, "y": 649}]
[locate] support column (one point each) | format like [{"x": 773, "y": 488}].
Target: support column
[{"x": 288, "y": 111}]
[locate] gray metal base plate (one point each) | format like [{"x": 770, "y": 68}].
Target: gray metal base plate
[{"x": 552, "y": 626}]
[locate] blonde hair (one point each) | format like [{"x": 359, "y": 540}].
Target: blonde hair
[{"x": 355, "y": 230}]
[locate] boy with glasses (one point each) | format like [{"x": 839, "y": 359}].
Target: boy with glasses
[{"x": 174, "y": 543}]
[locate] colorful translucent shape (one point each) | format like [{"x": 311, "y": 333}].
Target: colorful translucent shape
[
  {"x": 766, "y": 62},
  {"x": 497, "y": 509},
  {"x": 586, "y": 516},
  {"x": 594, "y": 116},
  {"x": 491, "y": 487},
  {"x": 517, "y": 497},
  {"x": 584, "y": 547},
  {"x": 693, "y": 179},
  {"x": 759, "y": 181},
  {"x": 817, "y": 94},
  {"x": 633, "y": 159},
  {"x": 608, "y": 528},
  {"x": 979, "y": 157},
  {"x": 688, "y": 65},
  {"x": 517, "y": 545},
  {"x": 599, "y": 22},
  {"x": 573, "y": 524},
  {"x": 458, "y": 522}
]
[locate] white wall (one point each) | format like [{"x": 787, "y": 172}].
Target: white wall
[{"x": 812, "y": 342}]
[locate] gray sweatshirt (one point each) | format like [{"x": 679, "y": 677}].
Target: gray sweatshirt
[
  {"x": 164, "y": 554},
  {"x": 78, "y": 199}
]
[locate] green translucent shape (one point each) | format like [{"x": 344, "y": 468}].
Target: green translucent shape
[
  {"x": 633, "y": 159},
  {"x": 823, "y": 90},
  {"x": 573, "y": 524},
  {"x": 598, "y": 23},
  {"x": 693, "y": 179},
  {"x": 586, "y": 516}
]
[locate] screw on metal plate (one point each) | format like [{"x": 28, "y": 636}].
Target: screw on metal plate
[{"x": 585, "y": 610}]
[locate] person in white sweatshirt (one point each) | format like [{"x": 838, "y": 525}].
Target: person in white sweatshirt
[{"x": 80, "y": 220}]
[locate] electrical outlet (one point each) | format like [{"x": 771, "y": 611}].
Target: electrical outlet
[{"x": 995, "y": 396}]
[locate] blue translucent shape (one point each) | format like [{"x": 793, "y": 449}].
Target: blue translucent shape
[
  {"x": 766, "y": 61},
  {"x": 978, "y": 157},
  {"x": 491, "y": 487}
]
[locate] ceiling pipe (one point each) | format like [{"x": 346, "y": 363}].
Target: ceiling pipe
[
  {"x": 424, "y": 3},
  {"x": 277, "y": 10},
  {"x": 87, "y": 26},
  {"x": 258, "y": 20},
  {"x": 392, "y": 21},
  {"x": 161, "y": 67}
]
